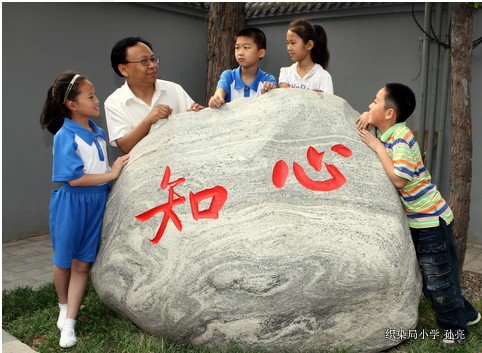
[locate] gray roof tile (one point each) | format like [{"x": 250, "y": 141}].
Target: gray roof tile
[{"x": 272, "y": 9}]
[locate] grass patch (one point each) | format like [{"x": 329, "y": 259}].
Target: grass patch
[{"x": 31, "y": 317}]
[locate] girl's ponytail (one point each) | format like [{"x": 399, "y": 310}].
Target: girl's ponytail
[
  {"x": 320, "y": 52},
  {"x": 54, "y": 110}
]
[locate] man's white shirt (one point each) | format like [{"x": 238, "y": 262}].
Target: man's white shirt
[{"x": 123, "y": 110}]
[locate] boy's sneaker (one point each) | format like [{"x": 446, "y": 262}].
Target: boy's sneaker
[
  {"x": 451, "y": 342},
  {"x": 474, "y": 321},
  {"x": 451, "y": 339},
  {"x": 454, "y": 337}
]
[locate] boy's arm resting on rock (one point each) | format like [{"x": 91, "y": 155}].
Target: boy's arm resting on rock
[
  {"x": 283, "y": 85},
  {"x": 387, "y": 162},
  {"x": 218, "y": 98}
]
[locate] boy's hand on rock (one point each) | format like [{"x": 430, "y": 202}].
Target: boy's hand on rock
[
  {"x": 362, "y": 122},
  {"x": 371, "y": 141},
  {"x": 267, "y": 86},
  {"x": 216, "y": 101}
]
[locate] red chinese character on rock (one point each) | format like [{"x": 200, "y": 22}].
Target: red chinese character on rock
[
  {"x": 166, "y": 208},
  {"x": 280, "y": 173},
  {"x": 218, "y": 193},
  {"x": 342, "y": 150},
  {"x": 315, "y": 158}
]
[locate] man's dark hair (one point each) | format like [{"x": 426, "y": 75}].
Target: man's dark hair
[
  {"x": 118, "y": 54},
  {"x": 401, "y": 98},
  {"x": 255, "y": 34}
]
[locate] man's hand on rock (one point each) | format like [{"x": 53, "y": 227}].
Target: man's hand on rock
[{"x": 160, "y": 111}]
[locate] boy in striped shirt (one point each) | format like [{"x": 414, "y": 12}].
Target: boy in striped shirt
[{"x": 429, "y": 216}]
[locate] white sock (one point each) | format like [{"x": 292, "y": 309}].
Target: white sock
[
  {"x": 67, "y": 335},
  {"x": 62, "y": 315}
]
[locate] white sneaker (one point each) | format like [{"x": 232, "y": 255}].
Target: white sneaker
[
  {"x": 67, "y": 338},
  {"x": 473, "y": 322},
  {"x": 451, "y": 342},
  {"x": 448, "y": 342}
]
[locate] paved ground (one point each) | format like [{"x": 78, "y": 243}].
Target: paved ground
[
  {"x": 473, "y": 258},
  {"x": 27, "y": 263}
]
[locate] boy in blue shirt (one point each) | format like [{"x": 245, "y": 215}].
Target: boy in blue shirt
[{"x": 248, "y": 80}]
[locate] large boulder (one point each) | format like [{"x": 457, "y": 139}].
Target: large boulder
[{"x": 322, "y": 261}]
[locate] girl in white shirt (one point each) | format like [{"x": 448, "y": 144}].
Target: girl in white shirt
[{"x": 307, "y": 47}]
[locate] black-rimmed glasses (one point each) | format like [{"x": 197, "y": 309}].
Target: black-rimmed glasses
[{"x": 144, "y": 62}]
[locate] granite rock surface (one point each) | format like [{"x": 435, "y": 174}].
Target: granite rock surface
[{"x": 281, "y": 268}]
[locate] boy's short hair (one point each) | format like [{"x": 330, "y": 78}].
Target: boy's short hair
[
  {"x": 401, "y": 98},
  {"x": 119, "y": 51},
  {"x": 255, "y": 34}
]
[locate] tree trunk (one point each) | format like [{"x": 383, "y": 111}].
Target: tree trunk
[
  {"x": 225, "y": 19},
  {"x": 461, "y": 126}
]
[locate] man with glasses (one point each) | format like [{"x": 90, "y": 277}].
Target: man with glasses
[{"x": 143, "y": 102}]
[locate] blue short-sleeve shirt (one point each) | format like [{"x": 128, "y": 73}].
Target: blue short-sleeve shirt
[
  {"x": 235, "y": 88},
  {"x": 78, "y": 151}
]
